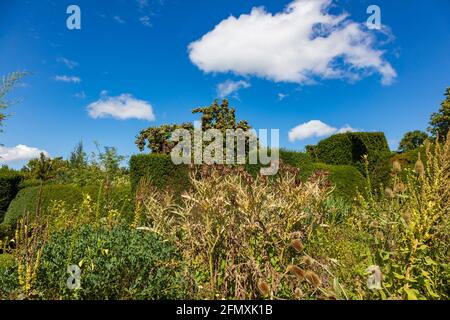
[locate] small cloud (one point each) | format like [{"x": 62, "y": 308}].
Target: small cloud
[
  {"x": 119, "y": 19},
  {"x": 145, "y": 20},
  {"x": 229, "y": 87},
  {"x": 69, "y": 63},
  {"x": 346, "y": 129},
  {"x": 282, "y": 96},
  {"x": 18, "y": 153},
  {"x": 68, "y": 79},
  {"x": 80, "y": 95},
  {"x": 122, "y": 107},
  {"x": 316, "y": 128},
  {"x": 142, "y": 4}
]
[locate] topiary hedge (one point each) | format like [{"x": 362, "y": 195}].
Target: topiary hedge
[
  {"x": 349, "y": 149},
  {"x": 160, "y": 171},
  {"x": 346, "y": 179},
  {"x": 9, "y": 187},
  {"x": 27, "y": 200}
]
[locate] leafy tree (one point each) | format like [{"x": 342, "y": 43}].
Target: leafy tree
[
  {"x": 220, "y": 117},
  {"x": 158, "y": 138},
  {"x": 412, "y": 140},
  {"x": 78, "y": 157},
  {"x": 44, "y": 168},
  {"x": 216, "y": 116},
  {"x": 7, "y": 83},
  {"x": 440, "y": 121}
]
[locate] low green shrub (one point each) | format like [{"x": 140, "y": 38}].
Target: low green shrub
[
  {"x": 27, "y": 200},
  {"x": 159, "y": 171},
  {"x": 8, "y": 276},
  {"x": 346, "y": 179},
  {"x": 9, "y": 186},
  {"x": 118, "y": 263},
  {"x": 349, "y": 149}
]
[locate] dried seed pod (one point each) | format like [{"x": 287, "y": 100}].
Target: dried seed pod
[
  {"x": 419, "y": 168},
  {"x": 264, "y": 288},
  {"x": 308, "y": 260},
  {"x": 298, "y": 293},
  {"x": 298, "y": 272},
  {"x": 396, "y": 166},
  {"x": 312, "y": 278},
  {"x": 297, "y": 244},
  {"x": 389, "y": 193}
]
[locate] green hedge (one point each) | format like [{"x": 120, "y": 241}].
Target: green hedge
[
  {"x": 27, "y": 199},
  {"x": 349, "y": 148},
  {"x": 160, "y": 171},
  {"x": 9, "y": 187},
  {"x": 163, "y": 174},
  {"x": 347, "y": 179}
]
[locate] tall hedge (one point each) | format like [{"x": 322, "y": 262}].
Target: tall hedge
[
  {"x": 349, "y": 149},
  {"x": 9, "y": 187},
  {"x": 160, "y": 171}
]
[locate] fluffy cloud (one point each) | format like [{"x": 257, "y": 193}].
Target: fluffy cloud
[
  {"x": 297, "y": 45},
  {"x": 121, "y": 107},
  {"x": 19, "y": 153},
  {"x": 315, "y": 128},
  {"x": 229, "y": 87},
  {"x": 67, "y": 79}
]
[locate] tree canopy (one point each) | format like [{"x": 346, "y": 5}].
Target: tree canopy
[
  {"x": 440, "y": 121},
  {"x": 412, "y": 140},
  {"x": 216, "y": 116}
]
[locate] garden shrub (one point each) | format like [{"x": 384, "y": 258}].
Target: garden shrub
[
  {"x": 117, "y": 263},
  {"x": 159, "y": 171},
  {"x": 346, "y": 179},
  {"x": 9, "y": 186},
  {"x": 8, "y": 276},
  {"x": 349, "y": 149},
  {"x": 26, "y": 200}
]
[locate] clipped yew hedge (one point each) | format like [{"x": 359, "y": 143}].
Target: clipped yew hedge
[
  {"x": 9, "y": 187},
  {"x": 349, "y": 149},
  {"x": 159, "y": 171}
]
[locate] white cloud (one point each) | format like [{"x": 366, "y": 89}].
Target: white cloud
[
  {"x": 80, "y": 95},
  {"x": 67, "y": 79},
  {"x": 19, "y": 153},
  {"x": 69, "y": 63},
  {"x": 145, "y": 20},
  {"x": 282, "y": 96},
  {"x": 229, "y": 87},
  {"x": 299, "y": 44},
  {"x": 142, "y": 4},
  {"x": 119, "y": 19},
  {"x": 121, "y": 107},
  {"x": 315, "y": 128}
]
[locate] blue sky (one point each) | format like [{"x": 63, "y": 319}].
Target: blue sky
[{"x": 138, "y": 63}]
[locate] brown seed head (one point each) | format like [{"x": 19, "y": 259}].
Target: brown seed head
[
  {"x": 297, "y": 244},
  {"x": 298, "y": 272},
  {"x": 313, "y": 278},
  {"x": 264, "y": 288}
]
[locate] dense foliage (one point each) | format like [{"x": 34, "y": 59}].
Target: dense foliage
[
  {"x": 9, "y": 186},
  {"x": 350, "y": 149},
  {"x": 440, "y": 121},
  {"x": 158, "y": 170},
  {"x": 412, "y": 140}
]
